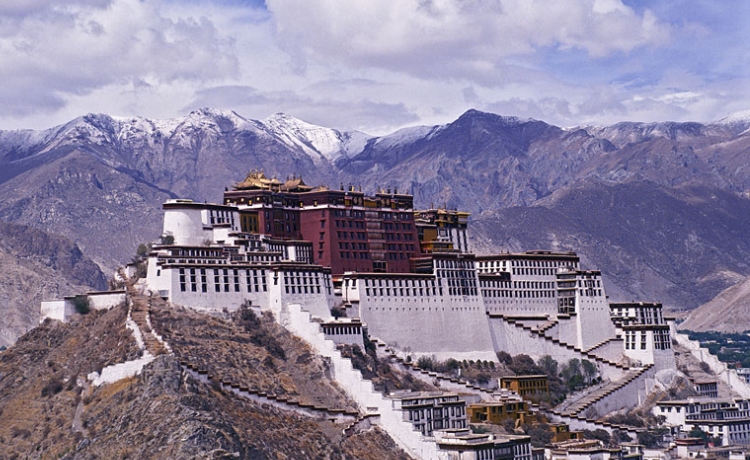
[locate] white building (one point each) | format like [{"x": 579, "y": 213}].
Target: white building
[{"x": 728, "y": 419}]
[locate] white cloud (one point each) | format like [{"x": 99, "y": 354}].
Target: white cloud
[
  {"x": 453, "y": 38},
  {"x": 52, "y": 52},
  {"x": 371, "y": 65}
]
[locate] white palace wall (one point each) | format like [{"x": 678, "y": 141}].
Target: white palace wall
[
  {"x": 513, "y": 306},
  {"x": 515, "y": 341},
  {"x": 370, "y": 401},
  {"x": 593, "y": 319},
  {"x": 627, "y": 396},
  {"x": 565, "y": 331},
  {"x": 447, "y": 327},
  {"x": 612, "y": 350},
  {"x": 729, "y": 376},
  {"x": 218, "y": 295}
]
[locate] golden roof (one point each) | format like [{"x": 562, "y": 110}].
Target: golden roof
[{"x": 257, "y": 180}]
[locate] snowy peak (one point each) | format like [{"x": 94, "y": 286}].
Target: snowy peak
[
  {"x": 736, "y": 117},
  {"x": 318, "y": 142}
]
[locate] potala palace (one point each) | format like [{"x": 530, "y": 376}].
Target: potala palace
[
  {"x": 408, "y": 276},
  {"x": 334, "y": 265}
]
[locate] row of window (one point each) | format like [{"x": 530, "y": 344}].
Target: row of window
[
  {"x": 341, "y": 330},
  {"x": 404, "y": 292},
  {"x": 343, "y": 224},
  {"x": 352, "y": 235},
  {"x": 399, "y": 282},
  {"x": 518, "y": 294},
  {"x": 221, "y": 280},
  {"x": 453, "y": 264},
  {"x": 396, "y": 226},
  {"x": 360, "y": 246}
]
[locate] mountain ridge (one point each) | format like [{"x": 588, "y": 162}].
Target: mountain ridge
[{"x": 98, "y": 179}]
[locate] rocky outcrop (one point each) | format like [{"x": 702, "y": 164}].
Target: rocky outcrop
[{"x": 38, "y": 266}]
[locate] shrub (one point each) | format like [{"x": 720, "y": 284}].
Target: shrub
[
  {"x": 426, "y": 363},
  {"x": 53, "y": 386},
  {"x": 81, "y": 303},
  {"x": 505, "y": 358},
  {"x": 264, "y": 339},
  {"x": 248, "y": 319},
  {"x": 483, "y": 378}
]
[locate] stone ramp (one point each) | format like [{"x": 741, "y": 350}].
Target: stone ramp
[
  {"x": 539, "y": 332},
  {"x": 140, "y": 308},
  {"x": 578, "y": 407}
]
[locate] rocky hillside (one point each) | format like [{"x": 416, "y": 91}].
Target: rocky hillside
[
  {"x": 38, "y": 266},
  {"x": 727, "y": 312},
  {"x": 639, "y": 201},
  {"x": 49, "y": 410}
]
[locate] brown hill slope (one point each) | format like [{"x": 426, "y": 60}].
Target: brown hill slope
[
  {"x": 164, "y": 412},
  {"x": 727, "y": 312},
  {"x": 38, "y": 266}
]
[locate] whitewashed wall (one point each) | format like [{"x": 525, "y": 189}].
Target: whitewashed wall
[
  {"x": 445, "y": 327},
  {"x": 729, "y": 376},
  {"x": 106, "y": 299},
  {"x": 515, "y": 340},
  {"x": 59, "y": 310},
  {"x": 298, "y": 321}
]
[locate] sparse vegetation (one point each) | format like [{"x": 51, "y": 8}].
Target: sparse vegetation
[
  {"x": 730, "y": 348},
  {"x": 82, "y": 305}
]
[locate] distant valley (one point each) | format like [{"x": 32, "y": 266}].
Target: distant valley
[{"x": 661, "y": 209}]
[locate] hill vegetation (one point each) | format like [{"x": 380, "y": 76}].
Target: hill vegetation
[{"x": 49, "y": 410}]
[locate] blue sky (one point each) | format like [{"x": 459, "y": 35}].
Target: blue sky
[{"x": 375, "y": 66}]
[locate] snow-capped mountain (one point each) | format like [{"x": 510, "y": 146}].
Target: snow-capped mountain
[
  {"x": 318, "y": 142},
  {"x": 639, "y": 201}
]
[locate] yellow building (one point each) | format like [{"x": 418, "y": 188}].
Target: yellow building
[
  {"x": 562, "y": 433},
  {"x": 527, "y": 386},
  {"x": 498, "y": 411}
]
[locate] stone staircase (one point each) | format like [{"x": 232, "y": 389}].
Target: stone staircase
[
  {"x": 602, "y": 343},
  {"x": 412, "y": 367},
  {"x": 140, "y": 308},
  {"x": 262, "y": 397},
  {"x": 536, "y": 331},
  {"x": 547, "y": 326},
  {"x": 578, "y": 407}
]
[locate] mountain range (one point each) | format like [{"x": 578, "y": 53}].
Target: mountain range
[{"x": 661, "y": 209}]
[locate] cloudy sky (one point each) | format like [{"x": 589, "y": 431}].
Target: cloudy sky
[{"x": 375, "y": 65}]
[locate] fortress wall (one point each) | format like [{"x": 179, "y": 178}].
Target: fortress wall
[
  {"x": 119, "y": 371},
  {"x": 186, "y": 226},
  {"x": 445, "y": 327},
  {"x": 580, "y": 425},
  {"x": 317, "y": 304},
  {"x": 521, "y": 306},
  {"x": 535, "y": 322},
  {"x": 516, "y": 341},
  {"x": 59, "y": 310},
  {"x": 106, "y": 300},
  {"x": 612, "y": 350},
  {"x": 664, "y": 359},
  {"x": 566, "y": 330},
  {"x": 628, "y": 396},
  {"x": 729, "y": 376},
  {"x": 594, "y": 321},
  {"x": 298, "y": 322}
]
